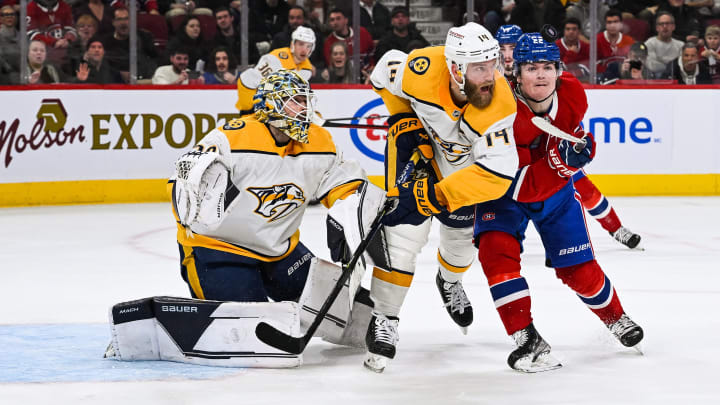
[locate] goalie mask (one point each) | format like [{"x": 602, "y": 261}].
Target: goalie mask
[{"x": 284, "y": 100}]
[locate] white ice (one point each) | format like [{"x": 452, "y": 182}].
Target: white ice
[{"x": 63, "y": 267}]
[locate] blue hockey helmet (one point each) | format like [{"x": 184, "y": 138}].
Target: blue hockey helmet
[
  {"x": 531, "y": 47},
  {"x": 508, "y": 34}
]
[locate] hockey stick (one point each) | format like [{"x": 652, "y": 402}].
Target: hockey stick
[
  {"x": 327, "y": 124},
  {"x": 271, "y": 336},
  {"x": 552, "y": 130},
  {"x": 356, "y": 118}
]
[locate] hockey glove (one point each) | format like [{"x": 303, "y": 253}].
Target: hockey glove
[
  {"x": 566, "y": 161},
  {"x": 405, "y": 136},
  {"x": 416, "y": 201}
]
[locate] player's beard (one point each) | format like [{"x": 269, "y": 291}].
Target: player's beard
[{"x": 478, "y": 98}]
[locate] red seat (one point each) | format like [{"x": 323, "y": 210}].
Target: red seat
[
  {"x": 712, "y": 21},
  {"x": 208, "y": 25},
  {"x": 637, "y": 28},
  {"x": 157, "y": 26}
]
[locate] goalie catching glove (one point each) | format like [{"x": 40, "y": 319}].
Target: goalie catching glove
[
  {"x": 565, "y": 160},
  {"x": 202, "y": 179},
  {"x": 416, "y": 201}
]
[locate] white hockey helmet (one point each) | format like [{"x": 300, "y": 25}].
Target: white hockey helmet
[
  {"x": 304, "y": 34},
  {"x": 469, "y": 44}
]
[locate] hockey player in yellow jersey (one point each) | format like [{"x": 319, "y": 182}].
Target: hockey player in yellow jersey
[
  {"x": 240, "y": 195},
  {"x": 451, "y": 104},
  {"x": 296, "y": 57}
]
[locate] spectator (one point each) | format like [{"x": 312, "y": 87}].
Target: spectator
[
  {"x": 147, "y": 6},
  {"x": 662, "y": 48},
  {"x": 340, "y": 69},
  {"x": 9, "y": 45},
  {"x": 94, "y": 68},
  {"x": 611, "y": 43},
  {"x": 51, "y": 21},
  {"x": 189, "y": 36},
  {"x": 492, "y": 12},
  {"x": 375, "y": 18},
  {"x": 581, "y": 11},
  {"x": 687, "y": 21},
  {"x": 711, "y": 52},
  {"x": 531, "y": 15},
  {"x": 689, "y": 68},
  {"x": 222, "y": 68},
  {"x": 642, "y": 9},
  {"x": 267, "y": 19},
  {"x": 338, "y": 21},
  {"x": 634, "y": 67},
  {"x": 186, "y": 7},
  {"x": 572, "y": 49},
  {"x": 117, "y": 48},
  {"x": 38, "y": 71},
  {"x": 401, "y": 35},
  {"x": 86, "y": 27},
  {"x": 176, "y": 72},
  {"x": 228, "y": 36},
  {"x": 99, "y": 10},
  {"x": 296, "y": 18}
]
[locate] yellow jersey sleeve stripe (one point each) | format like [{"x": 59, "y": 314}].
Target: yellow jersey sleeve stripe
[
  {"x": 191, "y": 268},
  {"x": 340, "y": 192},
  {"x": 450, "y": 267},
  {"x": 197, "y": 240},
  {"x": 471, "y": 185},
  {"x": 393, "y": 103},
  {"x": 393, "y": 277}
]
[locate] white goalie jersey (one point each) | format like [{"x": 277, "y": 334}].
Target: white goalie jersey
[
  {"x": 468, "y": 142},
  {"x": 259, "y": 208}
]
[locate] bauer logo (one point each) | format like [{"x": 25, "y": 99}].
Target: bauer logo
[{"x": 371, "y": 142}]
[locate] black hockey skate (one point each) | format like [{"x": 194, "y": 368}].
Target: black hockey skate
[
  {"x": 382, "y": 335},
  {"x": 627, "y": 332},
  {"x": 627, "y": 237},
  {"x": 456, "y": 302},
  {"x": 533, "y": 352}
]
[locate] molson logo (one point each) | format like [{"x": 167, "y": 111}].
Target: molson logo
[
  {"x": 371, "y": 142},
  {"x": 47, "y": 131}
]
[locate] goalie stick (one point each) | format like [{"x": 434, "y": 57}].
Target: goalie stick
[
  {"x": 328, "y": 123},
  {"x": 271, "y": 336},
  {"x": 552, "y": 130}
]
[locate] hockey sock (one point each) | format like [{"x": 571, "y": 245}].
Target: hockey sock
[
  {"x": 594, "y": 289},
  {"x": 449, "y": 272},
  {"x": 499, "y": 255},
  {"x": 597, "y": 205}
]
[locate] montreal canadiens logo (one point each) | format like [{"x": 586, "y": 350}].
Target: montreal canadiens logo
[
  {"x": 488, "y": 216},
  {"x": 371, "y": 142}
]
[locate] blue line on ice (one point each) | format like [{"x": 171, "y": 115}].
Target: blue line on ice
[{"x": 73, "y": 353}]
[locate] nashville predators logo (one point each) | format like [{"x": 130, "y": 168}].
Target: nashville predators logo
[
  {"x": 283, "y": 55},
  {"x": 455, "y": 153},
  {"x": 277, "y": 201},
  {"x": 419, "y": 65}
]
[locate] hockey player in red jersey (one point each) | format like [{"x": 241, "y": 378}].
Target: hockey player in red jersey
[
  {"x": 51, "y": 21},
  {"x": 593, "y": 200},
  {"x": 543, "y": 192}
]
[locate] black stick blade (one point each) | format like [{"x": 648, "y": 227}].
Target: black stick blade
[{"x": 279, "y": 340}]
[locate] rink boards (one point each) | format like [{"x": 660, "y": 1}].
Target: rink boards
[{"x": 69, "y": 145}]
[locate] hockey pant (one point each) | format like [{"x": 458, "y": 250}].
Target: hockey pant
[
  {"x": 595, "y": 202},
  {"x": 455, "y": 255}
]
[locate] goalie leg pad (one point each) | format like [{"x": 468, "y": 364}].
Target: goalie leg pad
[{"x": 212, "y": 333}]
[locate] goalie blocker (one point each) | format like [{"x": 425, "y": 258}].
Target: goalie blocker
[{"x": 218, "y": 333}]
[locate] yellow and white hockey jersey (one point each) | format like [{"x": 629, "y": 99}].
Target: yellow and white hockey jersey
[
  {"x": 280, "y": 58},
  {"x": 271, "y": 188},
  {"x": 474, "y": 149}
]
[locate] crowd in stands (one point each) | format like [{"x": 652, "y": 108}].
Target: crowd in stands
[{"x": 200, "y": 41}]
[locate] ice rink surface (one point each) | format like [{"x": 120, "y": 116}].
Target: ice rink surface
[{"x": 63, "y": 267}]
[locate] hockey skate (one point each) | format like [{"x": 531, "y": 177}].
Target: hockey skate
[
  {"x": 627, "y": 332},
  {"x": 627, "y": 238},
  {"x": 382, "y": 335},
  {"x": 456, "y": 302},
  {"x": 533, "y": 352}
]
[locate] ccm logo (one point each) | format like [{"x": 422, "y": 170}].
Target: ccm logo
[{"x": 178, "y": 308}]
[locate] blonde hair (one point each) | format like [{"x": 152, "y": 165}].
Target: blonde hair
[
  {"x": 87, "y": 19},
  {"x": 713, "y": 30}
]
